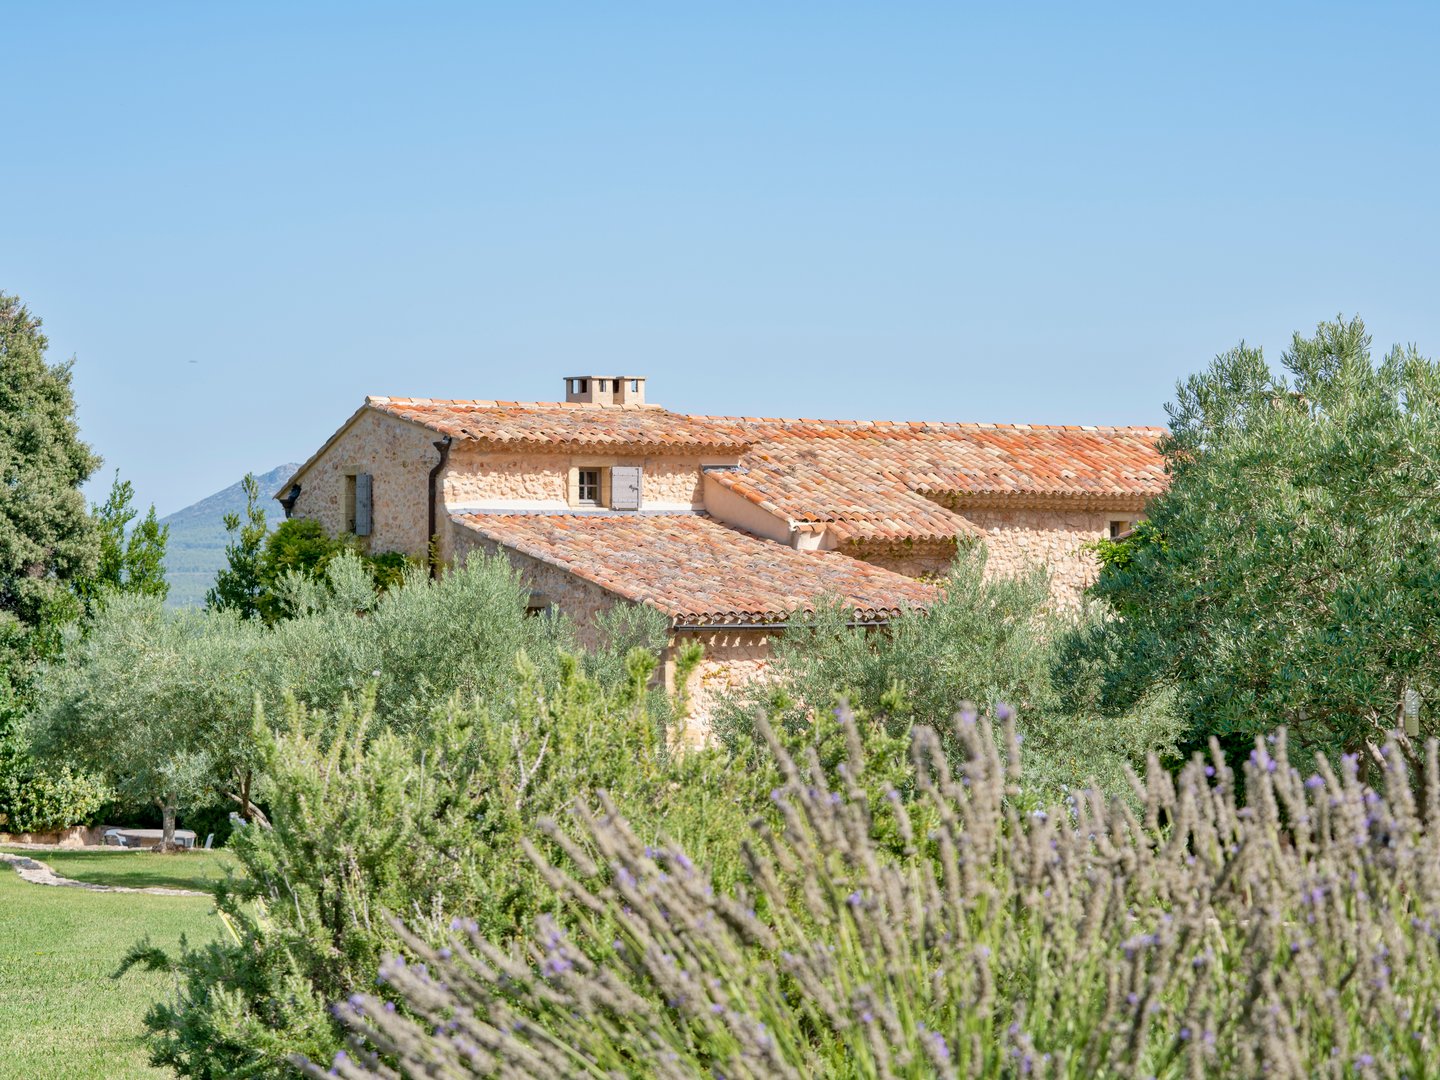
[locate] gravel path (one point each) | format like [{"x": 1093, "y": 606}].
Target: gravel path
[{"x": 38, "y": 873}]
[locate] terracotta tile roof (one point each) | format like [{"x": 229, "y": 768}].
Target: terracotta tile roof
[
  {"x": 698, "y": 571},
  {"x": 862, "y": 480},
  {"x": 563, "y": 423},
  {"x": 879, "y": 480}
]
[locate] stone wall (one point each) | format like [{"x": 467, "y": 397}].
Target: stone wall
[
  {"x": 1019, "y": 538},
  {"x": 732, "y": 659},
  {"x": 923, "y": 559},
  {"x": 538, "y": 480},
  {"x": 399, "y": 456},
  {"x": 72, "y": 837},
  {"x": 475, "y": 477}
]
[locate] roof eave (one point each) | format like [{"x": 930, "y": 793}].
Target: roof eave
[{"x": 960, "y": 501}]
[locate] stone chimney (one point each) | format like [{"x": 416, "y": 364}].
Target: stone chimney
[{"x": 606, "y": 389}]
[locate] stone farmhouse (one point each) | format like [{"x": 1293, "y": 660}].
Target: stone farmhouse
[{"x": 730, "y": 526}]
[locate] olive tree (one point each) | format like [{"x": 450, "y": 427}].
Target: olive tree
[
  {"x": 986, "y": 640},
  {"x": 160, "y": 703},
  {"x": 1290, "y": 572}
]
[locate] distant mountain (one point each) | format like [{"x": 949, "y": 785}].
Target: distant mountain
[{"x": 197, "y": 536}]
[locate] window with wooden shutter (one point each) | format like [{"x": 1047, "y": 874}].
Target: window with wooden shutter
[
  {"x": 625, "y": 487},
  {"x": 364, "y": 516}
]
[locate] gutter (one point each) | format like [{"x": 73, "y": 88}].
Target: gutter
[
  {"x": 768, "y": 625},
  {"x": 433, "y": 555}
]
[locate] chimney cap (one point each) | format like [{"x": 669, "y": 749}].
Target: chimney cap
[{"x": 605, "y": 389}]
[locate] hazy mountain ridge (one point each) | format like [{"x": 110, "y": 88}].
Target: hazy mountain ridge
[{"x": 196, "y": 551}]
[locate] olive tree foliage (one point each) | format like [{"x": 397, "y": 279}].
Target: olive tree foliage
[
  {"x": 1290, "y": 573},
  {"x": 981, "y": 641},
  {"x": 163, "y": 703},
  {"x": 987, "y": 641},
  {"x": 160, "y": 703},
  {"x": 419, "y": 643}
]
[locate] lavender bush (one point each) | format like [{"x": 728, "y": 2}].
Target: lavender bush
[{"x": 1293, "y": 934}]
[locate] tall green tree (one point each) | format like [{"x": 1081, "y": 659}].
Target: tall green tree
[
  {"x": 1290, "y": 573},
  {"x": 48, "y": 541},
  {"x": 131, "y": 560},
  {"x": 240, "y": 586}
]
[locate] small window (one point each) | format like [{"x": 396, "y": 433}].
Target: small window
[
  {"x": 359, "y": 504},
  {"x": 604, "y": 385},
  {"x": 584, "y": 386},
  {"x": 587, "y": 487},
  {"x": 350, "y": 503},
  {"x": 635, "y": 385},
  {"x": 1118, "y": 529}
]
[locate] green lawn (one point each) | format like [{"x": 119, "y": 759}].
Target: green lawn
[
  {"x": 61, "y": 1015},
  {"x": 137, "y": 869}
]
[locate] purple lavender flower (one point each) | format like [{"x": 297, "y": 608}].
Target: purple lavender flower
[{"x": 942, "y": 1048}]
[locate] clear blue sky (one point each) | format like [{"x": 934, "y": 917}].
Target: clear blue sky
[{"x": 1005, "y": 212}]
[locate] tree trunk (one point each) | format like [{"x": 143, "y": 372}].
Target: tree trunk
[
  {"x": 167, "y": 817},
  {"x": 246, "y": 810}
]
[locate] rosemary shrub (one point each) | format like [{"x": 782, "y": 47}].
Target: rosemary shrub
[{"x": 948, "y": 933}]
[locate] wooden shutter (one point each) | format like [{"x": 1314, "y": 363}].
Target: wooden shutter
[
  {"x": 625, "y": 487},
  {"x": 364, "y": 517}
]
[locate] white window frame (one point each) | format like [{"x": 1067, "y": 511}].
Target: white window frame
[{"x": 581, "y": 473}]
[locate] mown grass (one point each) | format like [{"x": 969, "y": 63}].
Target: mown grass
[
  {"x": 62, "y": 1017},
  {"x": 138, "y": 869}
]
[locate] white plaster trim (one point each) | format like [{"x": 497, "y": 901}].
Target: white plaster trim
[{"x": 561, "y": 510}]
